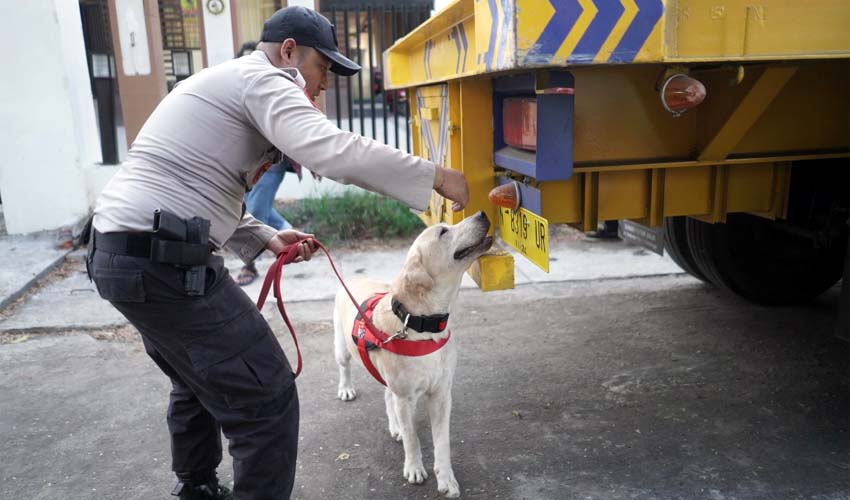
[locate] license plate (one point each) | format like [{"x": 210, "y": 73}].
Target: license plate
[{"x": 526, "y": 232}]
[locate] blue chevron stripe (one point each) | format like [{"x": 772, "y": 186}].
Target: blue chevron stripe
[
  {"x": 649, "y": 12},
  {"x": 606, "y": 18},
  {"x": 425, "y": 58},
  {"x": 494, "y": 26},
  {"x": 465, "y": 45},
  {"x": 507, "y": 15},
  {"x": 430, "y": 50},
  {"x": 566, "y": 14}
]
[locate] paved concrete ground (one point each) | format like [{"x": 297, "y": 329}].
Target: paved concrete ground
[
  {"x": 26, "y": 258},
  {"x": 71, "y": 302},
  {"x": 648, "y": 388}
]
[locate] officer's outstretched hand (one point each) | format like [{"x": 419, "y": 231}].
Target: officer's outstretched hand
[
  {"x": 452, "y": 185},
  {"x": 289, "y": 236}
]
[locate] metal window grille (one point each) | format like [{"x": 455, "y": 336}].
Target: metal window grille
[
  {"x": 181, "y": 36},
  {"x": 365, "y": 29},
  {"x": 97, "y": 36}
]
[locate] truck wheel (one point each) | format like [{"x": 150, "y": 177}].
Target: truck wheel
[
  {"x": 676, "y": 246},
  {"x": 752, "y": 257}
]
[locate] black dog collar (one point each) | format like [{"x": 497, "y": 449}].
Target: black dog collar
[{"x": 434, "y": 323}]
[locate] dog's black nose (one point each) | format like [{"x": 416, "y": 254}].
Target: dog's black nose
[{"x": 482, "y": 219}]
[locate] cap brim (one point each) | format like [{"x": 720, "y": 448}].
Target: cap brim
[{"x": 340, "y": 64}]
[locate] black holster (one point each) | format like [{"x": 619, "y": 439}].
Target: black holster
[{"x": 182, "y": 243}]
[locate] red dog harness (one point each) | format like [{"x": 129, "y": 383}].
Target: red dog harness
[{"x": 368, "y": 337}]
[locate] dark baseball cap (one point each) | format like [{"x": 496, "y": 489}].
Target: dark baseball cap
[{"x": 311, "y": 29}]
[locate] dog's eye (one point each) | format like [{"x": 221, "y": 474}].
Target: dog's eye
[{"x": 444, "y": 231}]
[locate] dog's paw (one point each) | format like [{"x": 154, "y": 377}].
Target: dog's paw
[
  {"x": 448, "y": 486},
  {"x": 347, "y": 393},
  {"x": 415, "y": 474},
  {"x": 394, "y": 431}
]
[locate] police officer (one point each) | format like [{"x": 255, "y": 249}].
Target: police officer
[{"x": 205, "y": 144}]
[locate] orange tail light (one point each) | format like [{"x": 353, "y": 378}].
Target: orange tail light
[
  {"x": 681, "y": 93},
  {"x": 506, "y": 195}
]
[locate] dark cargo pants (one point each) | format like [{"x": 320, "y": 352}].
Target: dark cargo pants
[{"x": 227, "y": 370}]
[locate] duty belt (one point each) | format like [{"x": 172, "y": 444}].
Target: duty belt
[{"x": 146, "y": 245}]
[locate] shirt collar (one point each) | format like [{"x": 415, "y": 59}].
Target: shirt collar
[{"x": 291, "y": 74}]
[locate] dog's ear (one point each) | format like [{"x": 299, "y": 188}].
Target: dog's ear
[{"x": 416, "y": 277}]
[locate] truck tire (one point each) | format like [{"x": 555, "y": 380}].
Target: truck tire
[
  {"x": 676, "y": 246},
  {"x": 751, "y": 257}
]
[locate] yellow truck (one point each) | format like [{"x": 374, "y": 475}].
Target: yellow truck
[{"x": 725, "y": 124}]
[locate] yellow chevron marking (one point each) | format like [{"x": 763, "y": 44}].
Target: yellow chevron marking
[
  {"x": 532, "y": 18},
  {"x": 631, "y": 10},
  {"x": 652, "y": 49},
  {"x": 589, "y": 11},
  {"x": 481, "y": 33}
]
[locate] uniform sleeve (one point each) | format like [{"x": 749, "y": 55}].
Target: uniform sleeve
[
  {"x": 250, "y": 238},
  {"x": 282, "y": 113}
]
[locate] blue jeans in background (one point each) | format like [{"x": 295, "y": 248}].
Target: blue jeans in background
[{"x": 259, "y": 201}]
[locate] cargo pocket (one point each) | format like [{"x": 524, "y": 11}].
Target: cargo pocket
[
  {"x": 254, "y": 376},
  {"x": 242, "y": 362},
  {"x": 120, "y": 285}
]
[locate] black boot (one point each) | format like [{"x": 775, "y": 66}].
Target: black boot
[
  {"x": 208, "y": 489},
  {"x": 607, "y": 230}
]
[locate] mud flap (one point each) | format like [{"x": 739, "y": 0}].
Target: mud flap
[{"x": 651, "y": 238}]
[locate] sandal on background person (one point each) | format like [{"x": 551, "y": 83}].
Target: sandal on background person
[{"x": 247, "y": 275}]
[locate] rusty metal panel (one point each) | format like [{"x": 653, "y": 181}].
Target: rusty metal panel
[
  {"x": 687, "y": 191},
  {"x": 750, "y": 188},
  {"x": 811, "y": 113},
  {"x": 618, "y": 116},
  {"x": 561, "y": 201},
  {"x": 624, "y": 195}
]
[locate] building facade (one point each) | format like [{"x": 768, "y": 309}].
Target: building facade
[{"x": 76, "y": 94}]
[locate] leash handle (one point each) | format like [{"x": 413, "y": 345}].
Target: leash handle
[{"x": 272, "y": 283}]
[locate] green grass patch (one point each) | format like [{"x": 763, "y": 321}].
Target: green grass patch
[{"x": 352, "y": 216}]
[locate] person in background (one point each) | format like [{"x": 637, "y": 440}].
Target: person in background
[
  {"x": 259, "y": 201},
  {"x": 246, "y": 48},
  {"x": 606, "y": 230}
]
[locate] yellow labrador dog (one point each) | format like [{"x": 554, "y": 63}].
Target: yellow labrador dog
[{"x": 423, "y": 292}]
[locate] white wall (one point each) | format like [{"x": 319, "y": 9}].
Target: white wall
[
  {"x": 50, "y": 173},
  {"x": 133, "y": 37},
  {"x": 49, "y": 128},
  {"x": 97, "y": 176},
  {"x": 218, "y": 32},
  {"x": 439, "y": 4},
  {"x": 310, "y": 4}
]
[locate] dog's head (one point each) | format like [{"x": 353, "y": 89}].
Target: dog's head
[{"x": 440, "y": 255}]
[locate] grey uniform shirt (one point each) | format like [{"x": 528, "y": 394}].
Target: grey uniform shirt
[{"x": 205, "y": 144}]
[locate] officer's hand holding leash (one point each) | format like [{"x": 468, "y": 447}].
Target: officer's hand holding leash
[
  {"x": 451, "y": 184},
  {"x": 284, "y": 238}
]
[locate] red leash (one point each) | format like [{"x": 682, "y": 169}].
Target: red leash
[
  {"x": 275, "y": 272},
  {"x": 369, "y": 332}
]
